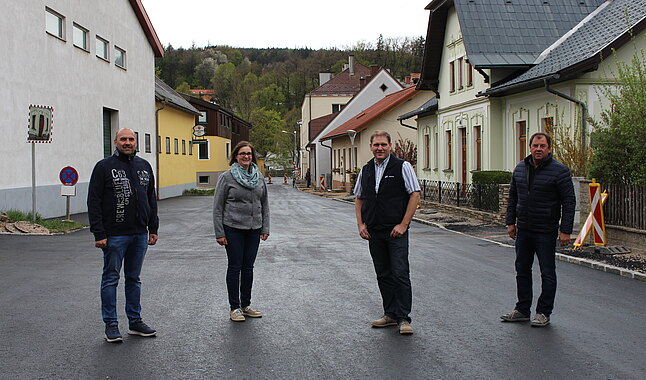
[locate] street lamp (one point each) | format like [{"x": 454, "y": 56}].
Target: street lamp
[{"x": 352, "y": 134}]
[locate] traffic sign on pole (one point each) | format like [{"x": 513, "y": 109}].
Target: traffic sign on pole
[{"x": 68, "y": 176}]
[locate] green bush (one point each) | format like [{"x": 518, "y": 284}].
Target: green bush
[
  {"x": 491, "y": 177},
  {"x": 199, "y": 192}
]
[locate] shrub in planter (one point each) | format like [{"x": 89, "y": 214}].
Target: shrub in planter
[{"x": 485, "y": 188}]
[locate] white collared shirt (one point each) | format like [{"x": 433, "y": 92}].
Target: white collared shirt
[{"x": 410, "y": 179}]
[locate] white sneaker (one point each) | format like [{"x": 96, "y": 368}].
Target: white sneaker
[{"x": 236, "y": 315}]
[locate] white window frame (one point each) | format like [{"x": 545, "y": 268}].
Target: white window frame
[
  {"x": 53, "y": 16},
  {"x": 85, "y": 36},
  {"x": 105, "y": 48},
  {"x": 119, "y": 52}
]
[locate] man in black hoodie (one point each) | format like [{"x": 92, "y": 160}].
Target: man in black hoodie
[
  {"x": 541, "y": 195},
  {"x": 122, "y": 208}
]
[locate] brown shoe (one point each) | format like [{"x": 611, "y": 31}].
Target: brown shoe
[
  {"x": 236, "y": 315},
  {"x": 405, "y": 328},
  {"x": 384, "y": 321},
  {"x": 249, "y": 312}
]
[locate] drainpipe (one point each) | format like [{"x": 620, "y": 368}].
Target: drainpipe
[
  {"x": 163, "y": 102},
  {"x": 330, "y": 148},
  {"x": 577, "y": 101},
  {"x": 401, "y": 121},
  {"x": 484, "y": 75}
]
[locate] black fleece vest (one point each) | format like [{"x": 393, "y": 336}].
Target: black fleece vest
[{"x": 385, "y": 209}]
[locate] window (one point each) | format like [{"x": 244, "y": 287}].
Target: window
[
  {"x": 521, "y": 128},
  {"x": 190, "y": 148},
  {"x": 227, "y": 150},
  {"x": 120, "y": 57},
  {"x": 548, "y": 125},
  {"x": 159, "y": 144},
  {"x": 167, "y": 145},
  {"x": 435, "y": 151},
  {"x": 202, "y": 118},
  {"x": 54, "y": 24},
  {"x": 137, "y": 141},
  {"x": 452, "y": 70},
  {"x": 203, "y": 179},
  {"x": 102, "y": 49},
  {"x": 469, "y": 75},
  {"x": 337, "y": 107},
  {"x": 203, "y": 151},
  {"x": 427, "y": 151},
  {"x": 147, "y": 142},
  {"x": 459, "y": 69},
  {"x": 184, "y": 147},
  {"x": 448, "y": 150},
  {"x": 176, "y": 145},
  {"x": 107, "y": 132},
  {"x": 79, "y": 36},
  {"x": 477, "y": 130}
]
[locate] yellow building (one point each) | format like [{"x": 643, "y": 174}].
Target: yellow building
[{"x": 177, "y": 163}]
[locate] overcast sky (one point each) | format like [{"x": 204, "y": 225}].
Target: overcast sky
[{"x": 284, "y": 23}]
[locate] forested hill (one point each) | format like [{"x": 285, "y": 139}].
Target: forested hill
[{"x": 268, "y": 85}]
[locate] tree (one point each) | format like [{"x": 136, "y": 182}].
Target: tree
[
  {"x": 183, "y": 88},
  {"x": 267, "y": 125},
  {"x": 618, "y": 141},
  {"x": 567, "y": 146},
  {"x": 405, "y": 149}
]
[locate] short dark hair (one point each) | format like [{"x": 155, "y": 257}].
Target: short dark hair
[
  {"x": 380, "y": 133},
  {"x": 240, "y": 145},
  {"x": 547, "y": 137}
]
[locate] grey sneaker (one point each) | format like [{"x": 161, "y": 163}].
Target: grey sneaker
[
  {"x": 405, "y": 328},
  {"x": 384, "y": 321},
  {"x": 514, "y": 316},
  {"x": 540, "y": 320},
  {"x": 249, "y": 312},
  {"x": 236, "y": 315}
]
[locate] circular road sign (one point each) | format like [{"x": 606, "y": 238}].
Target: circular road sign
[{"x": 68, "y": 176}]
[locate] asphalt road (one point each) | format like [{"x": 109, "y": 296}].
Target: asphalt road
[{"x": 315, "y": 283}]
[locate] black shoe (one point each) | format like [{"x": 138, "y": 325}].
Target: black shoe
[
  {"x": 112, "y": 334},
  {"x": 138, "y": 327}
]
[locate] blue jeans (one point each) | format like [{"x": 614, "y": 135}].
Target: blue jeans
[
  {"x": 543, "y": 245},
  {"x": 128, "y": 250},
  {"x": 390, "y": 258},
  {"x": 242, "y": 248}
]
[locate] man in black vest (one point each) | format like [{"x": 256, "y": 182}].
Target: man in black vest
[{"x": 387, "y": 194}]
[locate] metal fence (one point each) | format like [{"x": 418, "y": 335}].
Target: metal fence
[
  {"x": 480, "y": 197},
  {"x": 626, "y": 206}
]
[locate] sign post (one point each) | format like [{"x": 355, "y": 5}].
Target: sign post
[
  {"x": 595, "y": 220},
  {"x": 39, "y": 129},
  {"x": 68, "y": 176}
]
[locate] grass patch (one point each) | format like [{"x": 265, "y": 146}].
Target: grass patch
[
  {"x": 53, "y": 225},
  {"x": 199, "y": 192}
]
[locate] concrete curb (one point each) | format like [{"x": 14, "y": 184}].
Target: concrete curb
[{"x": 561, "y": 257}]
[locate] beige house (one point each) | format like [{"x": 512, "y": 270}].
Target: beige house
[
  {"x": 349, "y": 155},
  {"x": 499, "y": 82}
]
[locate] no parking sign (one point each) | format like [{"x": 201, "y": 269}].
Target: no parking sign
[{"x": 68, "y": 176}]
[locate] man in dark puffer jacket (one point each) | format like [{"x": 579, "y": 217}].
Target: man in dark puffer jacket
[{"x": 540, "y": 189}]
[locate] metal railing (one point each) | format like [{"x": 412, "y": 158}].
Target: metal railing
[{"x": 479, "y": 197}]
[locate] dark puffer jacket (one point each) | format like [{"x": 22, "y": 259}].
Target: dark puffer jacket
[{"x": 535, "y": 204}]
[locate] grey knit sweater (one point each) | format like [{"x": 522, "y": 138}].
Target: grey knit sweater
[{"x": 239, "y": 207}]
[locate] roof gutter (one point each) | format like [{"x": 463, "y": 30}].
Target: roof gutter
[{"x": 564, "y": 96}]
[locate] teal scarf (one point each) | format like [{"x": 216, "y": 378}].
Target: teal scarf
[{"x": 245, "y": 178}]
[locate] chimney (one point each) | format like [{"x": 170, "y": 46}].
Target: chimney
[
  {"x": 351, "y": 64},
  {"x": 374, "y": 69},
  {"x": 362, "y": 82},
  {"x": 407, "y": 79},
  {"x": 324, "y": 77}
]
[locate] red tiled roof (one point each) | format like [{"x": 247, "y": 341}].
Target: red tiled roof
[
  {"x": 361, "y": 121},
  {"x": 147, "y": 26},
  {"x": 344, "y": 83},
  {"x": 318, "y": 125}
]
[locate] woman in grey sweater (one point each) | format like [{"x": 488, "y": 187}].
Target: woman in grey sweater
[{"x": 241, "y": 219}]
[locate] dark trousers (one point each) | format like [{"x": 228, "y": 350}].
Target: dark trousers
[
  {"x": 544, "y": 246},
  {"x": 242, "y": 248},
  {"x": 390, "y": 257}
]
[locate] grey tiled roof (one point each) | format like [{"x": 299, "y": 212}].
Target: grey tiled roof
[
  {"x": 515, "y": 32},
  {"x": 165, "y": 92},
  {"x": 429, "y": 106},
  {"x": 612, "y": 21}
]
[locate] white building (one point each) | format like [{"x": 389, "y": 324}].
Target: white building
[{"x": 93, "y": 64}]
